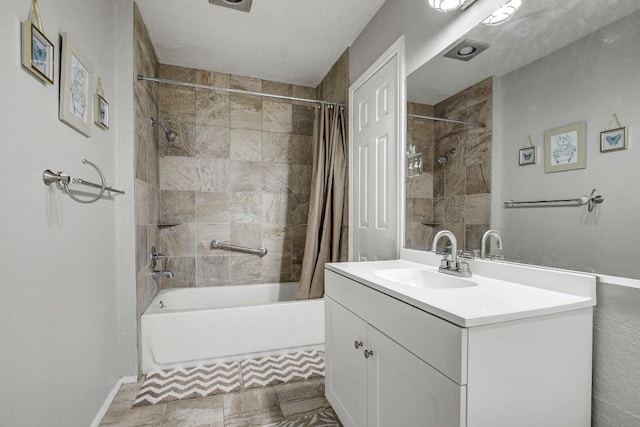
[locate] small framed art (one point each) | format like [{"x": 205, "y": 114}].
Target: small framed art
[
  {"x": 613, "y": 140},
  {"x": 75, "y": 88},
  {"x": 37, "y": 49},
  {"x": 527, "y": 156},
  {"x": 565, "y": 148},
  {"x": 39, "y": 56},
  {"x": 102, "y": 112}
]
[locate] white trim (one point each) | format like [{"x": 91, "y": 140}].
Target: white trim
[
  {"x": 395, "y": 50},
  {"x": 618, "y": 281},
  {"x": 109, "y": 400}
]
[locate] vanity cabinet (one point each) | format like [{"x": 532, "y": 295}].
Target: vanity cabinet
[
  {"x": 389, "y": 363},
  {"x": 373, "y": 381}
]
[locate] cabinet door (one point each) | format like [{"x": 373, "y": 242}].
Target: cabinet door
[
  {"x": 403, "y": 390},
  {"x": 345, "y": 366}
]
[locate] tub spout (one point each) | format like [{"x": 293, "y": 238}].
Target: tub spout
[{"x": 162, "y": 273}]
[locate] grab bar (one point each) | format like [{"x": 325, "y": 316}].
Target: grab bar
[
  {"x": 590, "y": 200},
  {"x": 217, "y": 244}
]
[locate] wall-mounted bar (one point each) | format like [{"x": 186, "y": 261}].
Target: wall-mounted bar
[
  {"x": 440, "y": 119},
  {"x": 238, "y": 91},
  {"x": 63, "y": 180},
  {"x": 590, "y": 201},
  {"x": 217, "y": 244}
]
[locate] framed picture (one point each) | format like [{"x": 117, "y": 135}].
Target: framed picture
[
  {"x": 37, "y": 52},
  {"x": 565, "y": 148},
  {"x": 102, "y": 112},
  {"x": 75, "y": 88},
  {"x": 613, "y": 140},
  {"x": 527, "y": 156}
]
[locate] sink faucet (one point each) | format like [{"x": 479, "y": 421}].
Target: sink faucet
[
  {"x": 454, "y": 245},
  {"x": 485, "y": 240},
  {"x": 162, "y": 273},
  {"x": 451, "y": 266}
]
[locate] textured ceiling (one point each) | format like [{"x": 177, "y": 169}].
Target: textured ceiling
[
  {"x": 290, "y": 41},
  {"x": 539, "y": 28}
]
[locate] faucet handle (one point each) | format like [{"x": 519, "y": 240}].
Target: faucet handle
[
  {"x": 155, "y": 257},
  {"x": 444, "y": 262},
  {"x": 467, "y": 255}
]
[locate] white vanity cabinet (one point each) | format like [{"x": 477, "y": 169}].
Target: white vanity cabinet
[
  {"x": 372, "y": 380},
  {"x": 390, "y": 363}
]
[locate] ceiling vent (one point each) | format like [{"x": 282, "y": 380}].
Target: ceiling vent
[
  {"x": 466, "y": 50},
  {"x": 241, "y": 5}
]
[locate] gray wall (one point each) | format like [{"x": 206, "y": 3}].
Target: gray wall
[
  {"x": 588, "y": 80},
  {"x": 427, "y": 32},
  {"x": 58, "y": 258}
]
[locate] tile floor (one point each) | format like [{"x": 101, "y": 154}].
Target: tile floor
[{"x": 281, "y": 405}]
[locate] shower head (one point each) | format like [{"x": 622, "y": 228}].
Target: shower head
[
  {"x": 445, "y": 157},
  {"x": 168, "y": 133}
]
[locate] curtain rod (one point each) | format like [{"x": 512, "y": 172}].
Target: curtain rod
[
  {"x": 439, "y": 119},
  {"x": 238, "y": 91}
]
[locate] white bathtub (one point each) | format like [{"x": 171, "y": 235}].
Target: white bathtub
[{"x": 193, "y": 326}]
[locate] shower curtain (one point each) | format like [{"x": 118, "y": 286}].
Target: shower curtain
[{"x": 326, "y": 202}]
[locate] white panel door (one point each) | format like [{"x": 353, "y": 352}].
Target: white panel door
[
  {"x": 374, "y": 163},
  {"x": 404, "y": 391}
]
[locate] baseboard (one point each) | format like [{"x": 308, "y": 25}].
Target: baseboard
[{"x": 112, "y": 394}]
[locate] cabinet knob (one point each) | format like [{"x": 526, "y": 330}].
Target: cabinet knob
[
  {"x": 357, "y": 344},
  {"x": 368, "y": 354}
]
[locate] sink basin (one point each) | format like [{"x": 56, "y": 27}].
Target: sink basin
[{"x": 419, "y": 278}]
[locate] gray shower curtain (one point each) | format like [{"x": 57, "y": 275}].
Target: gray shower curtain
[{"x": 326, "y": 202}]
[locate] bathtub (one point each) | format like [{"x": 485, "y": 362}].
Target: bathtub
[{"x": 195, "y": 326}]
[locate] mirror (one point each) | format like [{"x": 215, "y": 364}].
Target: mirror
[{"x": 553, "y": 64}]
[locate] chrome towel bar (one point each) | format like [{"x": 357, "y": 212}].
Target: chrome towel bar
[
  {"x": 217, "y": 244},
  {"x": 63, "y": 180},
  {"x": 590, "y": 201}
]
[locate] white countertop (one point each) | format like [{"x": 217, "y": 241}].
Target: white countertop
[{"x": 493, "y": 300}]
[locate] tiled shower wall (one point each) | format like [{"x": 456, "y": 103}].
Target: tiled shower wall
[
  {"x": 146, "y": 183},
  {"x": 419, "y": 189},
  {"x": 459, "y": 198},
  {"x": 239, "y": 172}
]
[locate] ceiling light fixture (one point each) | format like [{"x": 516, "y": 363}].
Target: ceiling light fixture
[
  {"x": 466, "y": 50},
  {"x": 241, "y": 5},
  {"x": 447, "y": 5},
  {"x": 504, "y": 13}
]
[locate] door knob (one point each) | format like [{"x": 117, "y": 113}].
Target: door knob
[
  {"x": 357, "y": 344},
  {"x": 368, "y": 354}
]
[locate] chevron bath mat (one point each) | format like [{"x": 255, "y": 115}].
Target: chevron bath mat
[
  {"x": 202, "y": 381},
  {"x": 188, "y": 383},
  {"x": 281, "y": 369}
]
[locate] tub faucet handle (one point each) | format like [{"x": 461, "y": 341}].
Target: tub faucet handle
[{"x": 155, "y": 257}]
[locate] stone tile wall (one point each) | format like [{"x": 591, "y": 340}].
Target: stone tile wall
[
  {"x": 146, "y": 191},
  {"x": 459, "y": 197},
  {"x": 239, "y": 172},
  {"x": 419, "y": 189},
  {"x": 146, "y": 148}
]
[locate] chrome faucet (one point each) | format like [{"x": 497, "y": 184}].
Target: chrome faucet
[
  {"x": 451, "y": 266},
  {"x": 162, "y": 273},
  {"x": 485, "y": 240},
  {"x": 454, "y": 245}
]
